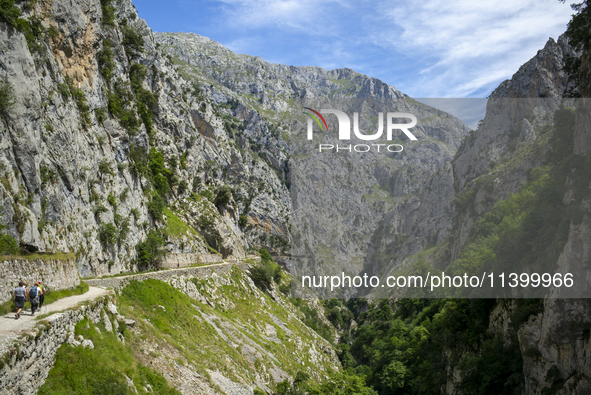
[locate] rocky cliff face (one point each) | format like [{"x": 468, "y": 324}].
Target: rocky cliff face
[
  {"x": 496, "y": 161},
  {"x": 357, "y": 191},
  {"x": 114, "y": 133},
  {"x": 410, "y": 206},
  {"x": 103, "y": 131},
  {"x": 491, "y": 163}
]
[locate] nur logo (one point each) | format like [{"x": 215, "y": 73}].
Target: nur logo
[{"x": 345, "y": 124}]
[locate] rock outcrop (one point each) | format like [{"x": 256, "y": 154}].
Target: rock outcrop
[
  {"x": 358, "y": 191},
  {"x": 99, "y": 118},
  {"x": 490, "y": 165}
]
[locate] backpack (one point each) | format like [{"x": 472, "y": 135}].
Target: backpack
[{"x": 34, "y": 295}]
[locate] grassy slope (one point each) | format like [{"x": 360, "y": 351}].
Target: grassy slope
[
  {"x": 234, "y": 329},
  {"x": 102, "y": 370}
]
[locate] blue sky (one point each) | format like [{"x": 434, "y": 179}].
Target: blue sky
[{"x": 429, "y": 48}]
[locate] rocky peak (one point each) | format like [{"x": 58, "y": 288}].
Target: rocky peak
[
  {"x": 540, "y": 77},
  {"x": 533, "y": 92}
]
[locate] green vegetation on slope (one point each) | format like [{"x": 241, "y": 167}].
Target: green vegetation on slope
[
  {"x": 8, "y": 244},
  {"x": 30, "y": 26},
  {"x": 409, "y": 351},
  {"x": 265, "y": 272},
  {"x": 173, "y": 323},
  {"x": 53, "y": 296},
  {"x": 103, "y": 370},
  {"x": 336, "y": 384},
  {"x": 203, "y": 333},
  {"x": 150, "y": 252},
  {"x": 7, "y": 98},
  {"x": 529, "y": 229},
  {"x": 579, "y": 37}
]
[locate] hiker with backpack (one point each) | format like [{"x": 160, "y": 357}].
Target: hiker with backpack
[
  {"x": 34, "y": 298},
  {"x": 18, "y": 297},
  {"x": 43, "y": 290}
]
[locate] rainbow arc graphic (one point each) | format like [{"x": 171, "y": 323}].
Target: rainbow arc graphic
[{"x": 315, "y": 117}]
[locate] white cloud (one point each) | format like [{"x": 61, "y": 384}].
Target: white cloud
[
  {"x": 431, "y": 48},
  {"x": 470, "y": 111},
  {"x": 309, "y": 16},
  {"x": 241, "y": 45},
  {"x": 471, "y": 44}
]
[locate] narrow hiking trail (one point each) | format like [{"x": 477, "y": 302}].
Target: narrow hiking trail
[
  {"x": 9, "y": 324},
  {"x": 11, "y": 328}
]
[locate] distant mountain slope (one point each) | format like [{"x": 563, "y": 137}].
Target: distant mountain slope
[
  {"x": 521, "y": 204},
  {"x": 383, "y": 182}
]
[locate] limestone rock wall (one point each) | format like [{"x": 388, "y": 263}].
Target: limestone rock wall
[
  {"x": 66, "y": 157},
  {"x": 24, "y": 368},
  {"x": 182, "y": 260},
  {"x": 55, "y": 273}
]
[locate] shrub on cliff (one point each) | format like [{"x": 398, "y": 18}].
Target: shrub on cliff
[
  {"x": 7, "y": 99},
  {"x": 9, "y": 13},
  {"x": 108, "y": 234},
  {"x": 133, "y": 42},
  {"x": 150, "y": 251},
  {"x": 108, "y": 12},
  {"x": 8, "y": 244},
  {"x": 223, "y": 197},
  {"x": 266, "y": 272},
  {"x": 106, "y": 60}
]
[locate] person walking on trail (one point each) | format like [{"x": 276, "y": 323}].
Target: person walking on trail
[
  {"x": 26, "y": 285},
  {"x": 18, "y": 297},
  {"x": 34, "y": 298},
  {"x": 41, "y": 294}
]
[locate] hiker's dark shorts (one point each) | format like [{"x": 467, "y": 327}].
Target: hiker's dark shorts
[{"x": 19, "y": 302}]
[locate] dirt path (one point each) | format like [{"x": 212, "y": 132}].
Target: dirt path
[
  {"x": 202, "y": 271},
  {"x": 8, "y": 324},
  {"x": 11, "y": 328}
]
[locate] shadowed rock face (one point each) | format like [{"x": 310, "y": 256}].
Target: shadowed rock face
[
  {"x": 339, "y": 200},
  {"x": 516, "y": 111},
  {"x": 492, "y": 163},
  {"x": 534, "y": 90}
]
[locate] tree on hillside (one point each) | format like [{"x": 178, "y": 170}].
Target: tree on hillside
[{"x": 578, "y": 33}]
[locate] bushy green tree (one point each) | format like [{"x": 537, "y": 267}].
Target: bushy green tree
[
  {"x": 343, "y": 384},
  {"x": 156, "y": 207},
  {"x": 108, "y": 234},
  {"x": 150, "y": 252},
  {"x": 266, "y": 271},
  {"x": 578, "y": 33},
  {"x": 108, "y": 12},
  {"x": 242, "y": 221},
  {"x": 9, "y": 13},
  {"x": 106, "y": 60},
  {"x": 223, "y": 196},
  {"x": 133, "y": 41}
]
